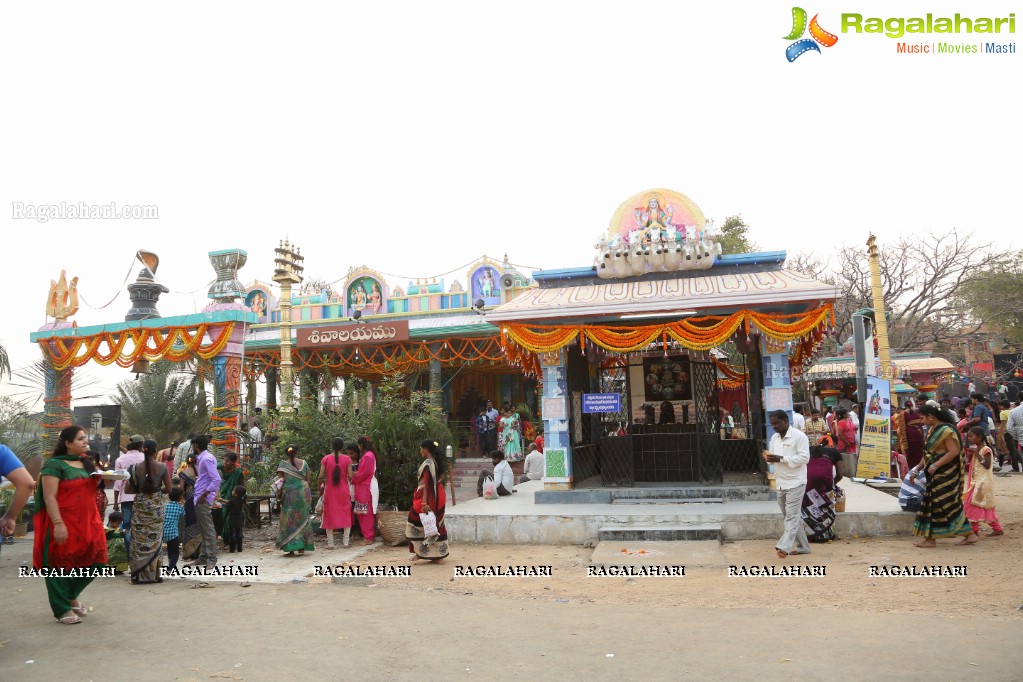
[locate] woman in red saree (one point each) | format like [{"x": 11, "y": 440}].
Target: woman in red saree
[
  {"x": 818, "y": 506},
  {"x": 363, "y": 481},
  {"x": 68, "y": 529},
  {"x": 914, "y": 435},
  {"x": 429, "y": 496},
  {"x": 845, "y": 436}
]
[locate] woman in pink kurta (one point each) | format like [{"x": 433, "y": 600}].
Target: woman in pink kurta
[
  {"x": 364, "y": 489},
  {"x": 335, "y": 476}
]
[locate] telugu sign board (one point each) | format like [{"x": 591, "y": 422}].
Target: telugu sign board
[
  {"x": 352, "y": 334},
  {"x": 875, "y": 455},
  {"x": 602, "y": 403}
]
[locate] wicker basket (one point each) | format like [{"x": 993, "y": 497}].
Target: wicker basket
[{"x": 391, "y": 525}]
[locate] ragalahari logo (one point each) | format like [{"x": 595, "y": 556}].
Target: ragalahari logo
[{"x": 817, "y": 35}]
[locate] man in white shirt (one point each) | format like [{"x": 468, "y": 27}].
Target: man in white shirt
[
  {"x": 789, "y": 451},
  {"x": 504, "y": 479},
  {"x": 535, "y": 465},
  {"x": 798, "y": 420},
  {"x": 1014, "y": 433},
  {"x": 490, "y": 434},
  {"x": 182, "y": 453},
  {"x": 854, "y": 414},
  {"x": 257, "y": 440}
]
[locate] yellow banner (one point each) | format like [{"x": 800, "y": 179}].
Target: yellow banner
[{"x": 875, "y": 456}]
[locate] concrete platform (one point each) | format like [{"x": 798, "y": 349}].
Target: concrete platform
[
  {"x": 519, "y": 519},
  {"x": 660, "y": 533}
]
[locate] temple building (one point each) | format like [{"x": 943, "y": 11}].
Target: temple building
[{"x": 655, "y": 364}]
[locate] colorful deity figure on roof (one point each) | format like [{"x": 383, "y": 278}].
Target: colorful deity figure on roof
[
  {"x": 360, "y": 298},
  {"x": 375, "y": 298},
  {"x": 654, "y": 217}
]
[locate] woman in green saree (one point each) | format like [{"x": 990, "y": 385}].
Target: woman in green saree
[
  {"x": 941, "y": 513},
  {"x": 231, "y": 476},
  {"x": 296, "y": 533}
]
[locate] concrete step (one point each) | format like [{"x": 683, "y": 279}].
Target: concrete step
[
  {"x": 659, "y": 533},
  {"x": 669, "y": 500},
  {"x": 751, "y": 492}
]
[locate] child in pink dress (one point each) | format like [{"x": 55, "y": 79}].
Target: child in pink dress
[{"x": 979, "y": 490}]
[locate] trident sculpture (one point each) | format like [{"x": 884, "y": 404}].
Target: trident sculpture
[{"x": 62, "y": 301}]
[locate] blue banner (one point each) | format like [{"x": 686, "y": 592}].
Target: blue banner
[{"x": 598, "y": 403}]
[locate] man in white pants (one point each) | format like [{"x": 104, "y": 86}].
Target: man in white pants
[{"x": 789, "y": 451}]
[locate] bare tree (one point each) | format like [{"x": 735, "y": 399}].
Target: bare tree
[{"x": 921, "y": 279}]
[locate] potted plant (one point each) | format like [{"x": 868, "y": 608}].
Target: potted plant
[
  {"x": 6, "y": 495},
  {"x": 21, "y": 527}
]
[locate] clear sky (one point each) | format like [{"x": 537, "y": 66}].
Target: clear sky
[{"x": 413, "y": 137}]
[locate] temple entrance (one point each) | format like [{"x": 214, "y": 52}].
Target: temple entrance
[{"x": 700, "y": 432}]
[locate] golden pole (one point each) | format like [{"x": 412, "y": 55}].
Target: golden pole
[
  {"x": 881, "y": 320},
  {"x": 287, "y": 273}
]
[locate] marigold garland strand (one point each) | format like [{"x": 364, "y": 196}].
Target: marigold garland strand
[{"x": 179, "y": 343}]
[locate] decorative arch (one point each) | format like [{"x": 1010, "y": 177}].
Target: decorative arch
[{"x": 365, "y": 290}]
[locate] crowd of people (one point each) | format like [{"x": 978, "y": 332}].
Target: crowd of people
[
  {"x": 193, "y": 508},
  {"x": 505, "y": 430},
  {"x": 946, "y": 452},
  {"x": 181, "y": 499}
]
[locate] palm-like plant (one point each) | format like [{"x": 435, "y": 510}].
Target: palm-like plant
[
  {"x": 164, "y": 405},
  {"x": 32, "y": 381},
  {"x": 5, "y": 363}
]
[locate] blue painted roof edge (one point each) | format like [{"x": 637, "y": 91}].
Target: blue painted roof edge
[
  {"x": 152, "y": 323},
  {"x": 759, "y": 258}
]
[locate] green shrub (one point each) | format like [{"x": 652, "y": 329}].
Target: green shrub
[{"x": 398, "y": 421}]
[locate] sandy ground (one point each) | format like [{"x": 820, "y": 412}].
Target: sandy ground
[{"x": 432, "y": 624}]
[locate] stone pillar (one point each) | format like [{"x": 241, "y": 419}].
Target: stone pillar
[
  {"x": 250, "y": 398},
  {"x": 56, "y": 396},
  {"x": 556, "y": 410},
  {"x": 777, "y": 388},
  {"x": 56, "y": 405},
  {"x": 309, "y": 385},
  {"x": 777, "y": 384},
  {"x": 227, "y": 370},
  {"x": 227, "y": 366},
  {"x": 436, "y": 386},
  {"x": 271, "y": 388}
]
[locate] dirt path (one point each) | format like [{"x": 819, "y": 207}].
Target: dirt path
[{"x": 705, "y": 625}]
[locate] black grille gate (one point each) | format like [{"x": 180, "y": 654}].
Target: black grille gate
[{"x": 696, "y": 448}]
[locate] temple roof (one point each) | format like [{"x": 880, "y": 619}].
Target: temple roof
[
  {"x": 910, "y": 363},
  {"x": 720, "y": 287}
]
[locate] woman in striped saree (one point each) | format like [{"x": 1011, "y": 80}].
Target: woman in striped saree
[{"x": 941, "y": 513}]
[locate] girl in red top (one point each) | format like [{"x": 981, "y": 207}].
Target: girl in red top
[{"x": 844, "y": 430}]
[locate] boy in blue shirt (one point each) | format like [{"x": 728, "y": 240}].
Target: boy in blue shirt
[{"x": 173, "y": 513}]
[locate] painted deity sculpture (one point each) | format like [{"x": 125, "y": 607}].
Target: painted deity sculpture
[
  {"x": 660, "y": 230},
  {"x": 375, "y": 299},
  {"x": 360, "y": 298},
  {"x": 487, "y": 283},
  {"x": 653, "y": 216}
]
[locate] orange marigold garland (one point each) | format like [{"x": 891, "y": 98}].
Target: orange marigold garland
[
  {"x": 175, "y": 344},
  {"x": 698, "y": 333}
]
